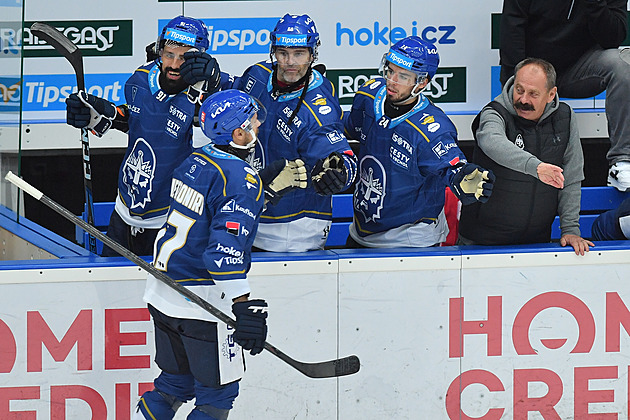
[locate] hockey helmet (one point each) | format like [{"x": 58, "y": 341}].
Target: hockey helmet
[
  {"x": 185, "y": 31},
  {"x": 413, "y": 54},
  {"x": 225, "y": 111},
  {"x": 295, "y": 31}
]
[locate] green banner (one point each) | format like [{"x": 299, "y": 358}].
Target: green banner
[
  {"x": 94, "y": 38},
  {"x": 448, "y": 85}
]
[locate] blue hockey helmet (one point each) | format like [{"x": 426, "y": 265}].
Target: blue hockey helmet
[
  {"x": 225, "y": 111},
  {"x": 295, "y": 31},
  {"x": 413, "y": 54},
  {"x": 185, "y": 31}
]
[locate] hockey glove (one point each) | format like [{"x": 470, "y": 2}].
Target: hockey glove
[
  {"x": 251, "y": 325},
  {"x": 329, "y": 175},
  {"x": 85, "y": 110},
  {"x": 282, "y": 177},
  {"x": 201, "y": 71},
  {"x": 151, "y": 53},
  {"x": 472, "y": 183}
]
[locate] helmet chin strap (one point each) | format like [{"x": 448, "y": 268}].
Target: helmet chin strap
[
  {"x": 240, "y": 151},
  {"x": 413, "y": 95}
]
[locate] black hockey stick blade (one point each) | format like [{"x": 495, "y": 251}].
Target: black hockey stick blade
[
  {"x": 63, "y": 46},
  {"x": 328, "y": 369}
]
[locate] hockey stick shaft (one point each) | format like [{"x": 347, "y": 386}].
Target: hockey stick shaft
[
  {"x": 328, "y": 369},
  {"x": 72, "y": 53}
]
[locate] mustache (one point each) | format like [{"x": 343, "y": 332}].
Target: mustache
[
  {"x": 523, "y": 107},
  {"x": 167, "y": 69}
]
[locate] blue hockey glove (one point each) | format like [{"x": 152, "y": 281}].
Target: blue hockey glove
[
  {"x": 201, "y": 71},
  {"x": 472, "y": 183},
  {"x": 329, "y": 175},
  {"x": 251, "y": 325},
  {"x": 85, "y": 110},
  {"x": 282, "y": 177}
]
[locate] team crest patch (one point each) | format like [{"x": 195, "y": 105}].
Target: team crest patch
[{"x": 370, "y": 192}]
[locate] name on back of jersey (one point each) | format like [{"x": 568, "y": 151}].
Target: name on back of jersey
[{"x": 187, "y": 196}]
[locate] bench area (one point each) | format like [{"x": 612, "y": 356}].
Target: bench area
[{"x": 595, "y": 200}]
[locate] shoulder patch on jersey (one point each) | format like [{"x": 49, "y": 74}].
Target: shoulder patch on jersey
[
  {"x": 334, "y": 137},
  {"x": 429, "y": 122}
]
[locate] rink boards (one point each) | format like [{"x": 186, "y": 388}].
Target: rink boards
[{"x": 442, "y": 333}]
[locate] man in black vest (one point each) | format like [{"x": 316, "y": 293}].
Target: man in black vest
[{"x": 530, "y": 140}]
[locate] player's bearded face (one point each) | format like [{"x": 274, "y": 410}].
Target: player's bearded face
[
  {"x": 293, "y": 63},
  {"x": 172, "y": 58}
]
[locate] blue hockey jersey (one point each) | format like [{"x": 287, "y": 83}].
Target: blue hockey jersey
[
  {"x": 160, "y": 138},
  {"x": 316, "y": 131},
  {"x": 405, "y": 163},
  {"x": 613, "y": 225},
  {"x": 215, "y": 204}
]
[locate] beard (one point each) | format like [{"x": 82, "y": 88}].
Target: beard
[{"x": 170, "y": 86}]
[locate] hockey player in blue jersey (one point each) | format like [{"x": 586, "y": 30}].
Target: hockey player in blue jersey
[
  {"x": 305, "y": 122},
  {"x": 408, "y": 155},
  {"x": 613, "y": 225},
  {"x": 216, "y": 200},
  {"x": 162, "y": 97}
]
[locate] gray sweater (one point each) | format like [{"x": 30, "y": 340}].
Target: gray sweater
[{"x": 492, "y": 139}]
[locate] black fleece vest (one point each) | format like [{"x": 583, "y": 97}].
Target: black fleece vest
[{"x": 521, "y": 208}]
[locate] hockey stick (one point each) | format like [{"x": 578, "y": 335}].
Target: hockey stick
[
  {"x": 328, "y": 369},
  {"x": 73, "y": 54}
]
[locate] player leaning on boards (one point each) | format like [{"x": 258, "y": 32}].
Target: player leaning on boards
[
  {"x": 408, "y": 155},
  {"x": 162, "y": 97},
  {"x": 215, "y": 204},
  {"x": 304, "y": 123}
]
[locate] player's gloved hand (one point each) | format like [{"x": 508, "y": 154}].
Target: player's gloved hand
[
  {"x": 85, "y": 110},
  {"x": 201, "y": 71},
  {"x": 472, "y": 183},
  {"x": 251, "y": 325},
  {"x": 329, "y": 175},
  {"x": 283, "y": 176}
]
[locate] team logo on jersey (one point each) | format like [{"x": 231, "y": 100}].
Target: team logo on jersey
[
  {"x": 232, "y": 227},
  {"x": 250, "y": 84},
  {"x": 334, "y": 136},
  {"x": 138, "y": 173},
  {"x": 429, "y": 121},
  {"x": 229, "y": 207},
  {"x": 370, "y": 193},
  {"x": 519, "y": 141},
  {"x": 250, "y": 178}
]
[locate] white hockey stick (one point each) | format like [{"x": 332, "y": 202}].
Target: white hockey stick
[{"x": 328, "y": 369}]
